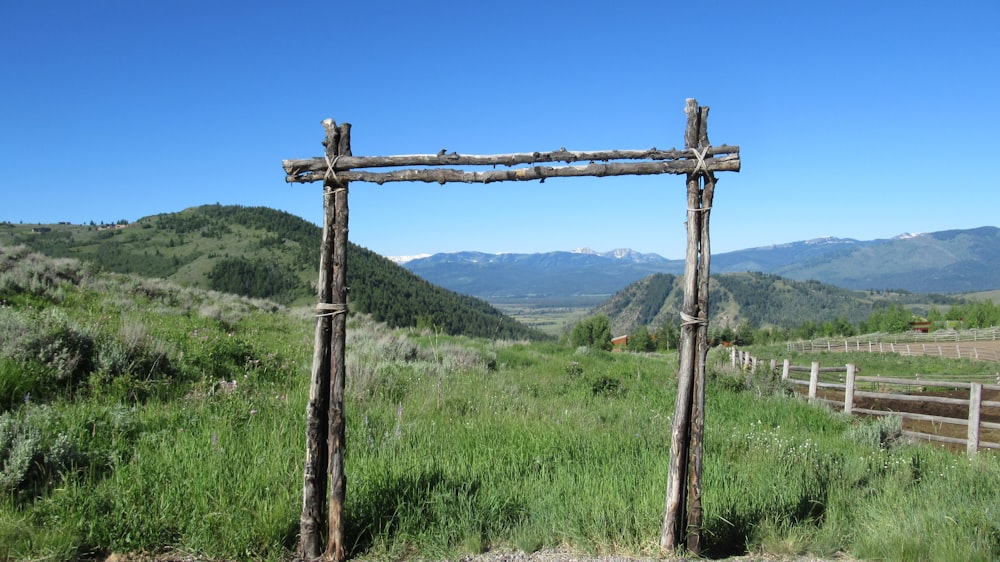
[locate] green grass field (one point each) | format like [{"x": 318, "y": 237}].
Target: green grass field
[{"x": 155, "y": 418}]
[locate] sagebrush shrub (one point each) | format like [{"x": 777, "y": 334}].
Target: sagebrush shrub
[
  {"x": 24, "y": 271},
  {"x": 879, "y": 432},
  {"x": 33, "y": 451},
  {"x": 48, "y": 338}
]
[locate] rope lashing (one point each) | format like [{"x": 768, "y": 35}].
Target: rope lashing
[
  {"x": 330, "y": 309},
  {"x": 701, "y": 166},
  {"x": 688, "y": 320},
  {"x": 330, "y": 172}
]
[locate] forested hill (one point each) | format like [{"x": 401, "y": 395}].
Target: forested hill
[
  {"x": 265, "y": 253},
  {"x": 758, "y": 299}
]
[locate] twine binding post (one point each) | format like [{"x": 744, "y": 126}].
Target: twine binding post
[
  {"x": 330, "y": 309},
  {"x": 688, "y": 320}
]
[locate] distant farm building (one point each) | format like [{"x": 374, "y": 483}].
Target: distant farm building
[{"x": 621, "y": 342}]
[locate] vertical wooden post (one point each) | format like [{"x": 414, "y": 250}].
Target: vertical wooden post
[
  {"x": 813, "y": 380},
  {"x": 975, "y": 407},
  {"x": 849, "y": 389},
  {"x": 683, "y": 514},
  {"x": 324, "y": 465},
  {"x": 317, "y": 453},
  {"x": 695, "y": 455},
  {"x": 786, "y": 367},
  {"x": 335, "y": 549},
  {"x": 675, "y": 520}
]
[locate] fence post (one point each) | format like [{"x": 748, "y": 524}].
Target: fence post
[
  {"x": 785, "y": 366},
  {"x": 732, "y": 356},
  {"x": 849, "y": 390},
  {"x": 813, "y": 380},
  {"x": 975, "y": 405},
  {"x": 774, "y": 365}
]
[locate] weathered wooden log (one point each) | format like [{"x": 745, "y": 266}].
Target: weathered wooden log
[
  {"x": 675, "y": 513},
  {"x": 697, "y": 433},
  {"x": 336, "y": 543},
  {"x": 438, "y": 175},
  {"x": 344, "y": 163},
  {"x": 314, "y": 500}
]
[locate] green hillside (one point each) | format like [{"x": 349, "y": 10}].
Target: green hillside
[
  {"x": 758, "y": 299},
  {"x": 263, "y": 253},
  {"x": 144, "y": 421}
]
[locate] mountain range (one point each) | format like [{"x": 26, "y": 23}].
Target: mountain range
[
  {"x": 952, "y": 261},
  {"x": 265, "y": 253}
]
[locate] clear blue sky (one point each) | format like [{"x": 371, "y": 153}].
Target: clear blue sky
[{"x": 855, "y": 119}]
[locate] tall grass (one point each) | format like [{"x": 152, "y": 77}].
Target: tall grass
[{"x": 188, "y": 435}]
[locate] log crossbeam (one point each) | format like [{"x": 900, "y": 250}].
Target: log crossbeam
[{"x": 599, "y": 164}]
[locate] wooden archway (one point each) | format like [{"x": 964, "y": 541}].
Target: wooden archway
[{"x": 324, "y": 482}]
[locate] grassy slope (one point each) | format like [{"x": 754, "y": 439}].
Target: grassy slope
[
  {"x": 455, "y": 445},
  {"x": 986, "y": 295},
  {"x": 757, "y": 298},
  {"x": 185, "y": 247}
]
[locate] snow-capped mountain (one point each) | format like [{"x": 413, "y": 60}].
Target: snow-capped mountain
[{"x": 939, "y": 262}]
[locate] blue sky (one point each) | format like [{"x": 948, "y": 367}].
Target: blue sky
[{"x": 855, "y": 119}]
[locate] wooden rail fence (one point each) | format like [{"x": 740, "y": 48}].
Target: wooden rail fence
[
  {"x": 941, "y": 344},
  {"x": 847, "y": 385}
]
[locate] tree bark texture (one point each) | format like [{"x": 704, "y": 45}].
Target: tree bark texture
[
  {"x": 675, "y": 515},
  {"x": 683, "y": 512},
  {"x": 324, "y": 466},
  {"x": 448, "y": 175},
  {"x": 343, "y": 163},
  {"x": 314, "y": 486},
  {"x": 696, "y": 449},
  {"x": 336, "y": 549}
]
